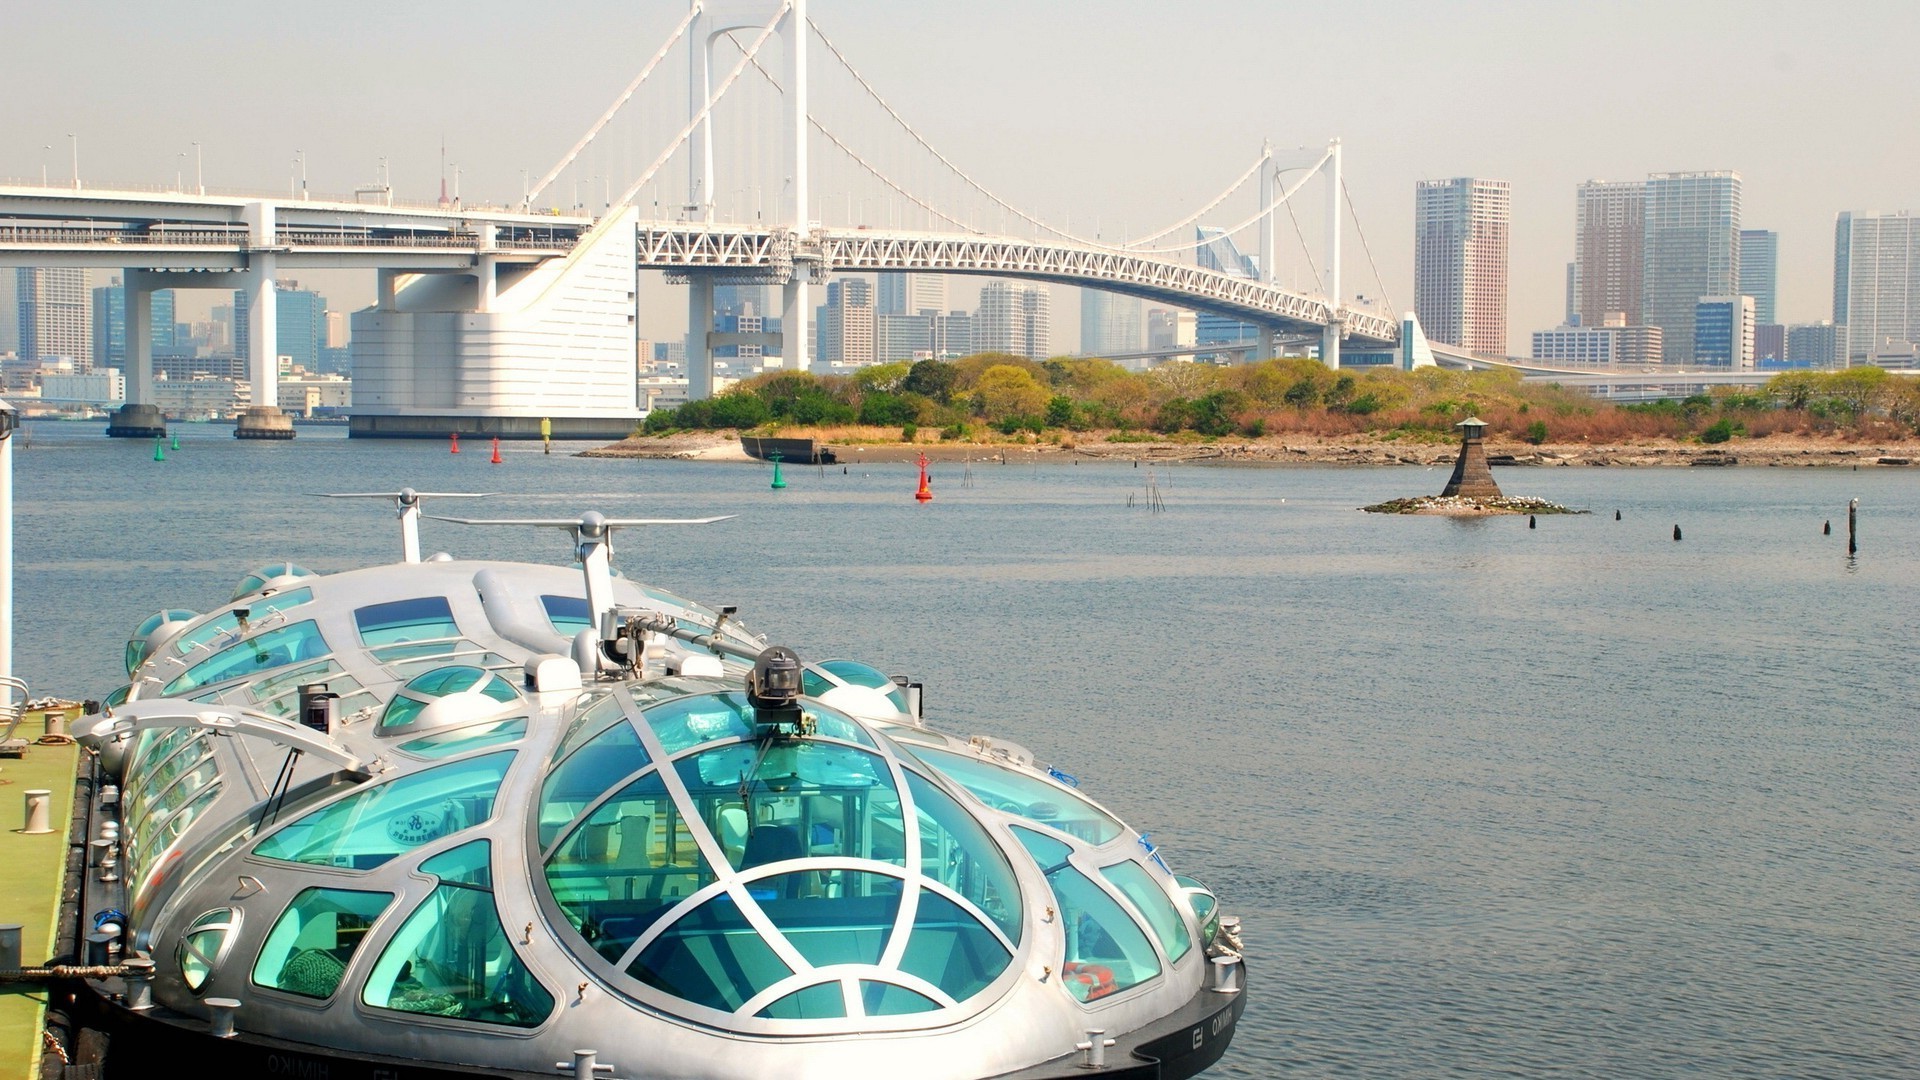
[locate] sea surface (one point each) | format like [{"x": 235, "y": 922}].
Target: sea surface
[{"x": 1573, "y": 800}]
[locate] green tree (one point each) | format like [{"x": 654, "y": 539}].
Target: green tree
[
  {"x": 932, "y": 379},
  {"x": 1007, "y": 390}
]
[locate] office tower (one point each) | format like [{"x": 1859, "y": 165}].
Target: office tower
[
  {"x": 56, "y": 314},
  {"x": 1608, "y": 234},
  {"x": 1723, "y": 332},
  {"x": 1014, "y": 317},
  {"x": 1217, "y": 252},
  {"x": 903, "y": 337},
  {"x": 1617, "y": 343},
  {"x": 1109, "y": 323},
  {"x": 1169, "y": 328},
  {"x": 110, "y": 324},
  {"x": 9, "y": 311},
  {"x": 910, "y": 294},
  {"x": 732, "y": 299},
  {"x": 1876, "y": 281},
  {"x": 1460, "y": 262},
  {"x": 1760, "y": 271},
  {"x": 1820, "y": 345},
  {"x": 300, "y": 323},
  {"x": 846, "y": 322},
  {"x": 1692, "y": 249},
  {"x": 1769, "y": 342}
]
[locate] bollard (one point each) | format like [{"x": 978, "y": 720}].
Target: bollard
[
  {"x": 97, "y": 851},
  {"x": 1095, "y": 1048},
  {"x": 9, "y": 946},
  {"x": 1226, "y": 975},
  {"x": 1853, "y": 510},
  {"x": 139, "y": 979},
  {"x": 220, "y": 1025},
  {"x": 56, "y": 724},
  {"x": 100, "y": 947},
  {"x": 39, "y": 812},
  {"x": 584, "y": 1066}
]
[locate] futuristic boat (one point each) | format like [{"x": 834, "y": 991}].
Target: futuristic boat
[{"x": 456, "y": 817}]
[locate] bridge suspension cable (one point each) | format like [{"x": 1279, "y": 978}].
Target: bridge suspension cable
[
  {"x": 1197, "y": 214},
  {"x": 1355, "y": 215},
  {"x": 607, "y": 117},
  {"x": 1281, "y": 199}
]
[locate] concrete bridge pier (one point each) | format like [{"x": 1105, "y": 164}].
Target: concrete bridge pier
[
  {"x": 262, "y": 420},
  {"x": 699, "y": 336},
  {"x": 139, "y": 417}
]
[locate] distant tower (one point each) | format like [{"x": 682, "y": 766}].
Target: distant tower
[
  {"x": 1876, "y": 281},
  {"x": 56, "y": 314},
  {"x": 1109, "y": 323},
  {"x": 1460, "y": 262},
  {"x": 1014, "y": 317},
  {"x": 1760, "y": 271},
  {"x": 1217, "y": 251},
  {"x": 1692, "y": 249},
  {"x": 1608, "y": 242}
]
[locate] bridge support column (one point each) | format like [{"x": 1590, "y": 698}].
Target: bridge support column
[
  {"x": 263, "y": 420},
  {"x": 486, "y": 267},
  {"x": 796, "y": 334},
  {"x": 1330, "y": 346},
  {"x": 699, "y": 326},
  {"x": 1269, "y": 343},
  {"x": 139, "y": 417},
  {"x": 387, "y": 281}
]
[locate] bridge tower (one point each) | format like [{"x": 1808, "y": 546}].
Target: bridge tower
[
  {"x": 717, "y": 17},
  {"x": 1329, "y": 169}
]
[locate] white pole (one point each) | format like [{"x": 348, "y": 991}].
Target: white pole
[
  {"x": 8, "y": 420},
  {"x": 199, "y": 174},
  {"x": 1330, "y": 340}
]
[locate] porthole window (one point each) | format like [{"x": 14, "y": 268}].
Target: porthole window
[
  {"x": 310, "y": 946},
  {"x": 204, "y": 945}
]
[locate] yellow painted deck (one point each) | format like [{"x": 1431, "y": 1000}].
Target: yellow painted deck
[{"x": 31, "y": 868}]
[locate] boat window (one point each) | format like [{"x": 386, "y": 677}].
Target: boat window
[
  {"x": 208, "y": 633},
  {"x": 258, "y": 580},
  {"x": 309, "y": 948},
  {"x": 686, "y": 722},
  {"x": 594, "y": 718},
  {"x": 886, "y": 999},
  {"x": 608, "y": 759},
  {"x": 410, "y": 658},
  {"x": 568, "y": 614},
  {"x": 832, "y": 916},
  {"x": 956, "y": 851},
  {"x": 1025, "y": 795},
  {"x": 426, "y": 618},
  {"x": 952, "y": 949},
  {"x": 792, "y": 800},
  {"x": 817, "y": 679},
  {"x": 373, "y": 825},
  {"x": 137, "y": 643},
  {"x": 262, "y": 652},
  {"x": 621, "y": 869},
  {"x": 452, "y": 958},
  {"x": 1106, "y": 951},
  {"x": 423, "y": 690},
  {"x": 473, "y": 737},
  {"x": 1150, "y": 900},
  {"x": 711, "y": 956},
  {"x": 204, "y": 945},
  {"x": 1201, "y": 901},
  {"x": 821, "y": 1001}
]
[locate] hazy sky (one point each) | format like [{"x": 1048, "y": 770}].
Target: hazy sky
[{"x": 1128, "y": 112}]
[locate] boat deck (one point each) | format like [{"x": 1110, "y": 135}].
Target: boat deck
[{"x": 30, "y": 882}]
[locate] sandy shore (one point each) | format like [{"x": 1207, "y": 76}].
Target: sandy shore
[{"x": 1775, "y": 451}]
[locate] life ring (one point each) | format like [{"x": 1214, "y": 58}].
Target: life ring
[{"x": 1094, "y": 980}]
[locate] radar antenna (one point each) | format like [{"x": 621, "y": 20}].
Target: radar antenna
[{"x": 406, "y": 502}]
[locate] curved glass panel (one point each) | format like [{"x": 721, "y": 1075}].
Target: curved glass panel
[
  {"x": 1150, "y": 900},
  {"x": 611, "y": 757},
  {"x": 951, "y": 949},
  {"x": 452, "y": 958},
  {"x": 711, "y": 956},
  {"x": 372, "y": 826},
  {"x": 1106, "y": 952},
  {"x": 625, "y": 866},
  {"x": 956, "y": 851},
  {"x": 1201, "y": 901},
  {"x": 686, "y": 722},
  {"x": 791, "y": 800},
  {"x": 823, "y": 1001},
  {"x": 440, "y": 744},
  {"x": 568, "y": 615},
  {"x": 204, "y": 945},
  {"x": 426, "y": 688},
  {"x": 832, "y": 916},
  {"x": 208, "y": 633},
  {"x": 1025, "y": 795},
  {"x": 262, "y": 652},
  {"x": 137, "y": 643},
  {"x": 311, "y": 944},
  {"x": 426, "y": 618},
  {"x": 852, "y": 673},
  {"x": 595, "y": 718},
  {"x": 257, "y": 580},
  {"x": 886, "y": 999}
]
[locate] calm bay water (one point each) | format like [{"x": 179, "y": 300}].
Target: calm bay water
[{"x": 1576, "y": 800}]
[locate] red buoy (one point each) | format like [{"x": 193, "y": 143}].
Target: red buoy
[
  {"x": 496, "y": 449},
  {"x": 925, "y": 494},
  {"x": 456, "y": 443}
]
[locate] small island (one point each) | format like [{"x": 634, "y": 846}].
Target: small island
[{"x": 1471, "y": 490}]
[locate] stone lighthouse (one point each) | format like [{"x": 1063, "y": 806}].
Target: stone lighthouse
[{"x": 1471, "y": 476}]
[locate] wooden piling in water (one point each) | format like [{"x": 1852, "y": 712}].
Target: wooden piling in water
[{"x": 1853, "y": 512}]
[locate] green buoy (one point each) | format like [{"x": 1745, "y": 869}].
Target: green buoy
[
  {"x": 159, "y": 449},
  {"x": 176, "y": 441},
  {"x": 778, "y": 480}
]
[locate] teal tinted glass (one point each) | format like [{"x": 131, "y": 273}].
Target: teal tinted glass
[
  {"x": 711, "y": 956},
  {"x": 137, "y": 642},
  {"x": 956, "y": 851},
  {"x": 373, "y": 825},
  {"x": 605, "y": 761},
  {"x": 796, "y": 800},
  {"x": 621, "y": 869},
  {"x": 686, "y": 722},
  {"x": 262, "y": 652},
  {"x": 832, "y": 916},
  {"x": 886, "y": 999},
  {"x": 1150, "y": 900},
  {"x": 208, "y": 633},
  {"x": 425, "y": 618},
  {"x": 472, "y": 737},
  {"x": 1026, "y": 795},
  {"x": 257, "y": 580},
  {"x": 309, "y": 947},
  {"x": 951, "y": 949},
  {"x": 567, "y": 614},
  {"x": 452, "y": 958},
  {"x": 1106, "y": 951},
  {"x": 821, "y": 1002}
]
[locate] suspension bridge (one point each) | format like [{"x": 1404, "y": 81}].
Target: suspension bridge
[{"x": 490, "y": 318}]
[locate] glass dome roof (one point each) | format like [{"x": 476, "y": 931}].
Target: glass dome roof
[
  {"x": 138, "y": 645},
  {"x": 268, "y": 575},
  {"x": 424, "y": 702},
  {"x": 822, "y": 879}
]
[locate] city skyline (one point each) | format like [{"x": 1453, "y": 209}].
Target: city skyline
[{"x": 1706, "y": 92}]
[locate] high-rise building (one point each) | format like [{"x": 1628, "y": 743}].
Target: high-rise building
[
  {"x": 110, "y": 324},
  {"x": 1760, "y": 271},
  {"x": 1819, "y": 345},
  {"x": 1609, "y": 231},
  {"x": 1218, "y": 252},
  {"x": 1692, "y": 249},
  {"x": 846, "y": 322},
  {"x": 55, "y": 308},
  {"x": 952, "y": 334},
  {"x": 1460, "y": 262},
  {"x": 1769, "y": 343},
  {"x": 1876, "y": 281},
  {"x": 1169, "y": 328},
  {"x": 9, "y": 312},
  {"x": 1723, "y": 332},
  {"x": 1109, "y": 323},
  {"x": 1014, "y": 317},
  {"x": 910, "y": 294},
  {"x": 299, "y": 327},
  {"x": 903, "y": 337},
  {"x": 1615, "y": 343}
]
